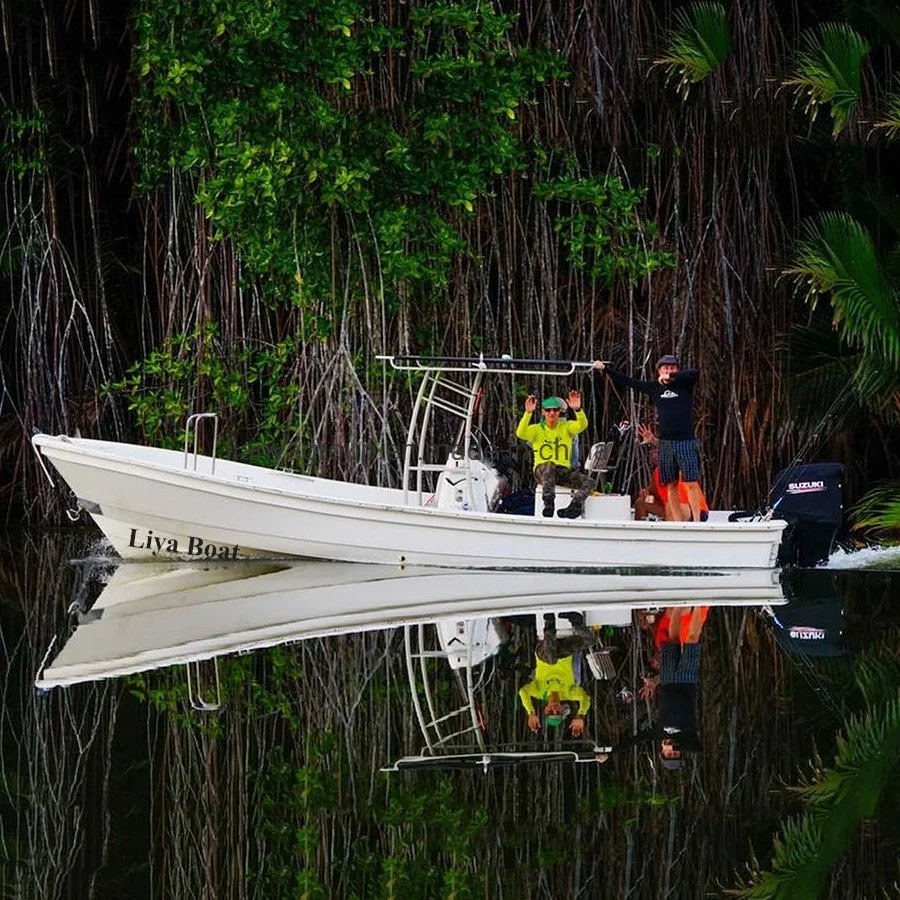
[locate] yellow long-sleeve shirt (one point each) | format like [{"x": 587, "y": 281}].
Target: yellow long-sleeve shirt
[
  {"x": 552, "y": 444},
  {"x": 560, "y": 677}
]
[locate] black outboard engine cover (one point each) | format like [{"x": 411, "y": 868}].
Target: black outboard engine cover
[
  {"x": 809, "y": 498},
  {"x": 812, "y": 623}
]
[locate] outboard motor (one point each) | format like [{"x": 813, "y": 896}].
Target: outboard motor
[
  {"x": 810, "y": 498},
  {"x": 812, "y": 623}
]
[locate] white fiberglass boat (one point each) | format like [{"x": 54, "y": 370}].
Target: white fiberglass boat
[
  {"x": 153, "y": 615},
  {"x": 157, "y": 503}
]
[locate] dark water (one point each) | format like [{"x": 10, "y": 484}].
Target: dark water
[{"x": 120, "y": 789}]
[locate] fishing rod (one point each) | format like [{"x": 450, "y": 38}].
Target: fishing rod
[
  {"x": 805, "y": 448},
  {"x": 802, "y": 662}
]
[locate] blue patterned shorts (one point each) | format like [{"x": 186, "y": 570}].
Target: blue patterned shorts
[
  {"x": 679, "y": 664},
  {"x": 678, "y": 456}
]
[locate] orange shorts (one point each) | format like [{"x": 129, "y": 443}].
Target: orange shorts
[{"x": 662, "y": 628}]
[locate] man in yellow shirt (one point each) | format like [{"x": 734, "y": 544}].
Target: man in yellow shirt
[
  {"x": 554, "y": 676},
  {"x": 551, "y": 441}
]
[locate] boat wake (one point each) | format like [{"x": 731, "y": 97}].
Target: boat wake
[{"x": 887, "y": 558}]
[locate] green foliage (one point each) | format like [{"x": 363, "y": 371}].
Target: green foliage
[
  {"x": 261, "y": 103},
  {"x": 879, "y": 508},
  {"x": 421, "y": 837},
  {"x": 599, "y": 222},
  {"x": 24, "y": 141},
  {"x": 395, "y": 882},
  {"x": 166, "y": 692},
  {"x": 697, "y": 45},
  {"x": 837, "y": 257},
  {"x": 836, "y": 798},
  {"x": 420, "y": 819},
  {"x": 889, "y": 122},
  {"x": 611, "y": 795},
  {"x": 290, "y": 797},
  {"x": 458, "y": 885},
  {"x": 829, "y": 71},
  {"x": 251, "y": 389}
]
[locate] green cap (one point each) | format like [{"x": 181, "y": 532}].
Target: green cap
[
  {"x": 552, "y": 403},
  {"x": 555, "y": 720}
]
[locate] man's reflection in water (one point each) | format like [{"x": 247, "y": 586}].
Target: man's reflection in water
[
  {"x": 554, "y": 678},
  {"x": 678, "y": 658}
]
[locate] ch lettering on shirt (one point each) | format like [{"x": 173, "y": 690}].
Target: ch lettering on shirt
[
  {"x": 805, "y": 487},
  {"x": 551, "y": 451},
  {"x": 667, "y": 394}
]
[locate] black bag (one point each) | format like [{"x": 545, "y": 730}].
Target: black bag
[{"x": 519, "y": 503}]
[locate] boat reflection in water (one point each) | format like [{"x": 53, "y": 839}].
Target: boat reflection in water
[{"x": 455, "y": 627}]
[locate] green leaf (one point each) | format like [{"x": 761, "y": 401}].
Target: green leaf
[
  {"x": 829, "y": 71},
  {"x": 837, "y": 257},
  {"x": 697, "y": 45},
  {"x": 889, "y": 122},
  {"x": 879, "y": 508},
  {"x": 836, "y": 799}
]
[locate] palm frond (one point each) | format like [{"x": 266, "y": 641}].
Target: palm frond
[
  {"x": 796, "y": 849},
  {"x": 877, "y": 668},
  {"x": 886, "y": 206},
  {"x": 877, "y": 387},
  {"x": 828, "y": 70},
  {"x": 889, "y": 121},
  {"x": 868, "y": 740},
  {"x": 837, "y": 256},
  {"x": 879, "y": 508},
  {"x": 820, "y": 366},
  {"x": 836, "y": 799},
  {"x": 892, "y": 264},
  {"x": 697, "y": 44}
]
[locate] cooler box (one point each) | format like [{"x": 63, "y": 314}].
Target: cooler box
[{"x": 597, "y": 507}]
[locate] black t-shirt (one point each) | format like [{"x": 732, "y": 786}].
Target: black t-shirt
[
  {"x": 674, "y": 401},
  {"x": 678, "y": 706},
  {"x": 677, "y": 720}
]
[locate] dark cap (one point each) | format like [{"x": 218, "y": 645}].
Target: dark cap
[
  {"x": 668, "y": 360},
  {"x": 672, "y": 764}
]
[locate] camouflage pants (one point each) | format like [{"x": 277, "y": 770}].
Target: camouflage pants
[
  {"x": 551, "y": 649},
  {"x": 549, "y": 475}
]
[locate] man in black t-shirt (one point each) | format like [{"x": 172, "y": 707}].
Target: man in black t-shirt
[{"x": 673, "y": 396}]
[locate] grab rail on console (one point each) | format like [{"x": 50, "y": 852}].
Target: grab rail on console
[{"x": 193, "y": 420}]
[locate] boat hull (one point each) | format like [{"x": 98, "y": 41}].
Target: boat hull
[
  {"x": 154, "y": 615},
  {"x": 249, "y": 511}
]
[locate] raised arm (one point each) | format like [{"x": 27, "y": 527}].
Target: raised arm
[
  {"x": 526, "y": 694},
  {"x": 583, "y": 697},
  {"x": 524, "y": 426},
  {"x": 624, "y": 380},
  {"x": 686, "y": 376},
  {"x": 580, "y": 422}
]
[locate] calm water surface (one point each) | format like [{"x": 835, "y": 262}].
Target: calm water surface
[{"x": 120, "y": 789}]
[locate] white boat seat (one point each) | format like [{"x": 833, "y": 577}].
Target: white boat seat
[
  {"x": 562, "y": 493},
  {"x": 616, "y": 617},
  {"x": 600, "y": 663},
  {"x": 598, "y": 659},
  {"x": 563, "y": 626},
  {"x": 598, "y": 458},
  {"x": 597, "y": 506}
]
